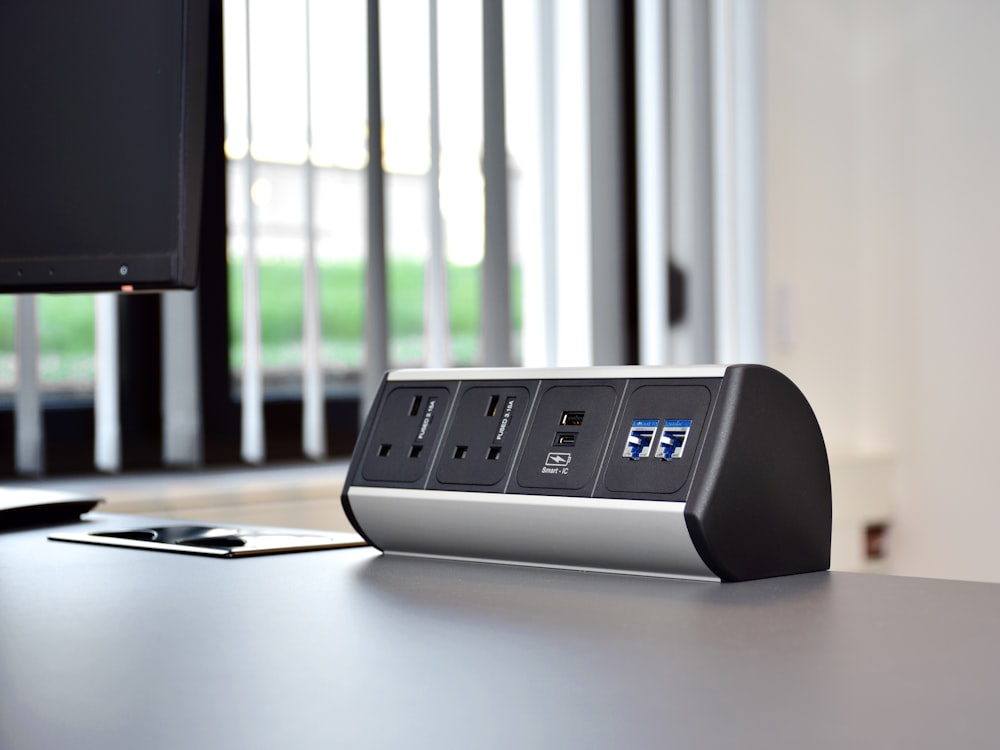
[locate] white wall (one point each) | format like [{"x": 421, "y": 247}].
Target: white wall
[{"x": 883, "y": 192}]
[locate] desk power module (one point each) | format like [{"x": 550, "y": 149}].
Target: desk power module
[{"x": 708, "y": 472}]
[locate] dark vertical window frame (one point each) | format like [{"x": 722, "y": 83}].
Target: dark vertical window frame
[
  {"x": 220, "y": 411},
  {"x": 6, "y": 439},
  {"x": 139, "y": 363},
  {"x": 630, "y": 198}
]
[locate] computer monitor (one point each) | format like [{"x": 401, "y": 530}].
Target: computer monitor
[{"x": 102, "y": 127}]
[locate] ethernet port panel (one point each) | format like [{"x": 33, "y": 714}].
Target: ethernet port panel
[{"x": 656, "y": 439}]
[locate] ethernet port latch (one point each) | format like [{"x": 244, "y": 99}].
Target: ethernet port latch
[
  {"x": 673, "y": 438},
  {"x": 640, "y": 438}
]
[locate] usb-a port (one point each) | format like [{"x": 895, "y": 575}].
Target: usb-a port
[{"x": 572, "y": 418}]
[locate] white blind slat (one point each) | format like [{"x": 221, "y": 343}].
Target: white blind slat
[
  {"x": 29, "y": 435},
  {"x": 252, "y": 396},
  {"x": 495, "y": 312},
  {"x": 436, "y": 322},
  {"x": 652, "y": 169},
  {"x": 313, "y": 412},
  {"x": 376, "y": 360},
  {"x": 181, "y": 391}
]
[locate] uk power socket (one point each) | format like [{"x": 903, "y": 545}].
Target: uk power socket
[
  {"x": 483, "y": 436},
  {"x": 408, "y": 426},
  {"x": 714, "y": 472}
]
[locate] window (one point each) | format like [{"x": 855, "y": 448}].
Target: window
[
  {"x": 296, "y": 147},
  {"x": 286, "y": 212}
]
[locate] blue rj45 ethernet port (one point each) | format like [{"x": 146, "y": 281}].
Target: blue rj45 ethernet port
[
  {"x": 672, "y": 439},
  {"x": 640, "y": 438}
]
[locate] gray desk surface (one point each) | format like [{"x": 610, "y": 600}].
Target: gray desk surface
[{"x": 116, "y": 648}]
